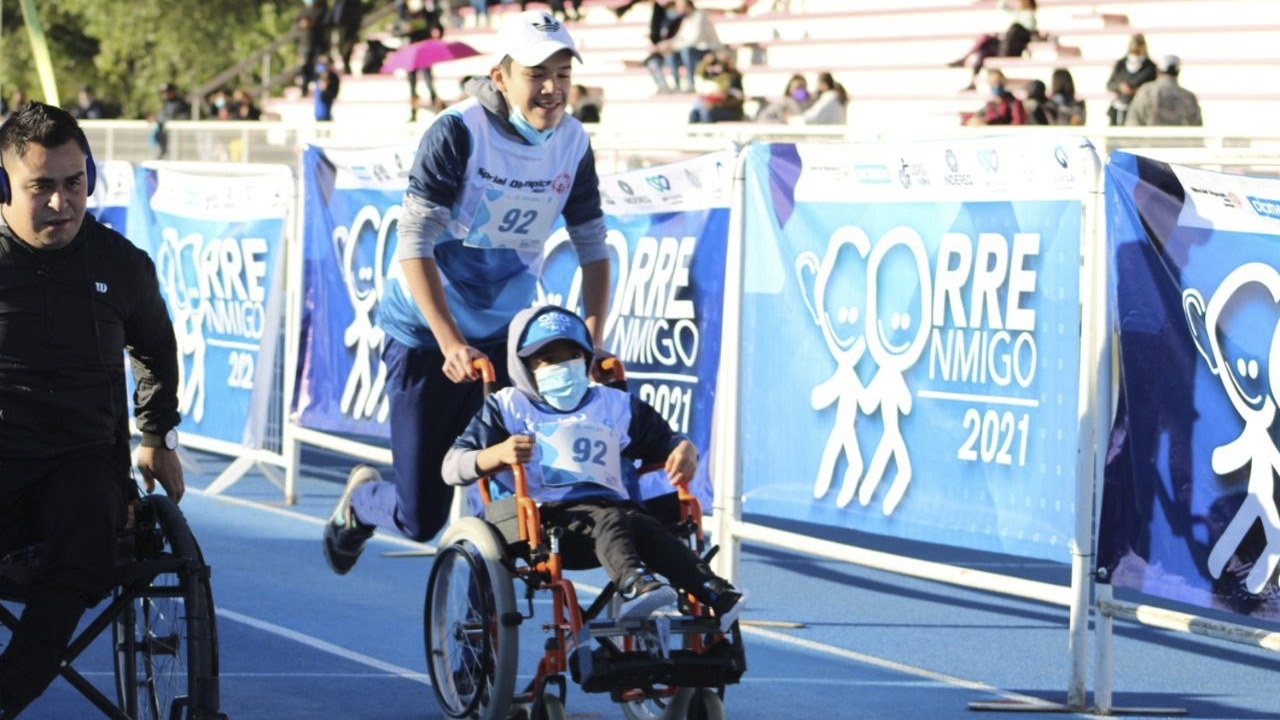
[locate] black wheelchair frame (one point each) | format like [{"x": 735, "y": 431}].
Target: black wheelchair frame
[{"x": 161, "y": 614}]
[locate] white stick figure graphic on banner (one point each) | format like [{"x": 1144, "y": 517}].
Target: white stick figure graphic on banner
[
  {"x": 1252, "y": 391},
  {"x": 177, "y": 266},
  {"x": 846, "y": 344},
  {"x": 364, "y": 394},
  {"x": 895, "y": 349},
  {"x": 894, "y": 328}
]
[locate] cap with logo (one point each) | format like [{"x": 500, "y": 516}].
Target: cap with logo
[
  {"x": 551, "y": 324},
  {"x": 532, "y": 37},
  {"x": 1169, "y": 64}
]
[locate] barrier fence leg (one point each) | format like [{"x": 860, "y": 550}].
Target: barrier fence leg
[{"x": 1102, "y": 643}]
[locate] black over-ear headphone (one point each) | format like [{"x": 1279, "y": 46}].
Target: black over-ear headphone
[{"x": 90, "y": 170}]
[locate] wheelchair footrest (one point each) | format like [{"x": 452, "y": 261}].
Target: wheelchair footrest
[{"x": 618, "y": 672}]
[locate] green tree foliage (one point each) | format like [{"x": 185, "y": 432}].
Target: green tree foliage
[{"x": 127, "y": 49}]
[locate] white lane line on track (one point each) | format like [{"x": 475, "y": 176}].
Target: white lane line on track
[
  {"x": 321, "y": 645},
  {"x": 590, "y": 590},
  {"x": 394, "y": 539},
  {"x": 893, "y": 665}
]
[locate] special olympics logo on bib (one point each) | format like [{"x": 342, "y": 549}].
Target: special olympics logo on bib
[{"x": 561, "y": 183}]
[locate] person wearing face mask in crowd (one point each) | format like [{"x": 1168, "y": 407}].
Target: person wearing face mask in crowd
[
  {"x": 491, "y": 175},
  {"x": 1130, "y": 73},
  {"x": 795, "y": 100},
  {"x": 549, "y": 413},
  {"x": 1003, "y": 108}
]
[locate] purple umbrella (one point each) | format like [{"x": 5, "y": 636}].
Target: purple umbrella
[{"x": 426, "y": 53}]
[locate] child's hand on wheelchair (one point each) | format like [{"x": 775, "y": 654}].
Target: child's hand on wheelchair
[
  {"x": 682, "y": 464},
  {"x": 516, "y": 450}
]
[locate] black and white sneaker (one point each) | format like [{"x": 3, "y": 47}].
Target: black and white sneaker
[
  {"x": 344, "y": 535},
  {"x": 642, "y": 595}
]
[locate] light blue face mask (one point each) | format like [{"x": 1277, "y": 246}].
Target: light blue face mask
[
  {"x": 562, "y": 385},
  {"x": 527, "y": 131}
]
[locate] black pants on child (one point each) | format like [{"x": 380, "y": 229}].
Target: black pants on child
[
  {"x": 73, "y": 506},
  {"x": 623, "y": 537}
]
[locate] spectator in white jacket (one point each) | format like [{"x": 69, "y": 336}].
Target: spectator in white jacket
[{"x": 831, "y": 107}]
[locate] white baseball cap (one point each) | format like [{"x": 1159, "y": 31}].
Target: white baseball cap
[
  {"x": 1169, "y": 64},
  {"x": 532, "y": 37}
]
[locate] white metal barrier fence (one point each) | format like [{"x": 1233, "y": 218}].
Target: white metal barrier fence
[{"x": 269, "y": 142}]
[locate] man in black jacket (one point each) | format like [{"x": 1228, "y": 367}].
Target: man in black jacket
[{"x": 74, "y": 295}]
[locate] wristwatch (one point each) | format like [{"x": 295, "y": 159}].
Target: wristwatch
[{"x": 168, "y": 441}]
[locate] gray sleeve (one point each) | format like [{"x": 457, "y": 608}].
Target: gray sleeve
[
  {"x": 459, "y": 466},
  {"x": 421, "y": 222},
  {"x": 588, "y": 240}
]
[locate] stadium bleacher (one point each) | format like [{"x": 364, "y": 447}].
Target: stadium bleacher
[{"x": 891, "y": 58}]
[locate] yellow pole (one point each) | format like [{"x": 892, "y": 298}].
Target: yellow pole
[{"x": 40, "y": 51}]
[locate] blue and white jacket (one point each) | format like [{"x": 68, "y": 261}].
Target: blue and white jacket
[{"x": 482, "y": 201}]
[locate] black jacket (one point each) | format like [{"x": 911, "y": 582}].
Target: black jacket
[{"x": 66, "y": 318}]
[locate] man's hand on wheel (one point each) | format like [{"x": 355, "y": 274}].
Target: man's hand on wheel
[{"x": 157, "y": 463}]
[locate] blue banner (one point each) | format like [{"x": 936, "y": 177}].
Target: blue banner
[
  {"x": 1189, "y": 502},
  {"x": 349, "y": 239},
  {"x": 217, "y": 241},
  {"x": 111, "y": 195},
  {"x": 910, "y": 339},
  {"x": 668, "y": 227},
  {"x": 666, "y": 233}
]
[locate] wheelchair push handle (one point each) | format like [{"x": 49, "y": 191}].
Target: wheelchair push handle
[{"x": 487, "y": 374}]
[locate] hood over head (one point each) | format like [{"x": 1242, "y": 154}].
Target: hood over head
[{"x": 534, "y": 327}]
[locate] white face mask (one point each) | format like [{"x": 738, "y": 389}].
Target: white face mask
[{"x": 562, "y": 385}]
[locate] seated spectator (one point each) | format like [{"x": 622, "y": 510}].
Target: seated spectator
[
  {"x": 795, "y": 100},
  {"x": 243, "y": 107},
  {"x": 582, "y": 106},
  {"x": 1038, "y": 106},
  {"x": 1067, "y": 109},
  {"x": 719, "y": 87},
  {"x": 88, "y": 106},
  {"x": 219, "y": 108},
  {"x": 1003, "y": 108},
  {"x": 1130, "y": 73},
  {"x": 1164, "y": 102},
  {"x": 831, "y": 105},
  {"x": 1019, "y": 16}
]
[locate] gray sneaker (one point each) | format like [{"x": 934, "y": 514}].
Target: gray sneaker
[{"x": 344, "y": 535}]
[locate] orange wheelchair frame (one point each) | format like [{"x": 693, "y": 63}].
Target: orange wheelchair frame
[{"x": 642, "y": 672}]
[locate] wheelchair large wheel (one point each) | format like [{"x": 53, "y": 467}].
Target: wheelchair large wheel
[
  {"x": 471, "y": 624},
  {"x": 166, "y": 642}
]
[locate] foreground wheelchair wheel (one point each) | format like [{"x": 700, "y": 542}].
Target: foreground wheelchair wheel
[
  {"x": 471, "y": 624},
  {"x": 166, "y": 651}
]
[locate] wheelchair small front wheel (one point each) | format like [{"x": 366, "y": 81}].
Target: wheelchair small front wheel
[
  {"x": 668, "y": 708},
  {"x": 705, "y": 704},
  {"x": 471, "y": 639},
  {"x": 549, "y": 708}
]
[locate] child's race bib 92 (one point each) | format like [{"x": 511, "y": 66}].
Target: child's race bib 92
[{"x": 579, "y": 451}]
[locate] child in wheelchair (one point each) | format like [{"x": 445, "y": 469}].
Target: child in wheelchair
[{"x": 573, "y": 438}]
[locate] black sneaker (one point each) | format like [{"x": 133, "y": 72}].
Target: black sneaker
[
  {"x": 725, "y": 600},
  {"x": 344, "y": 535},
  {"x": 642, "y": 595}
]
